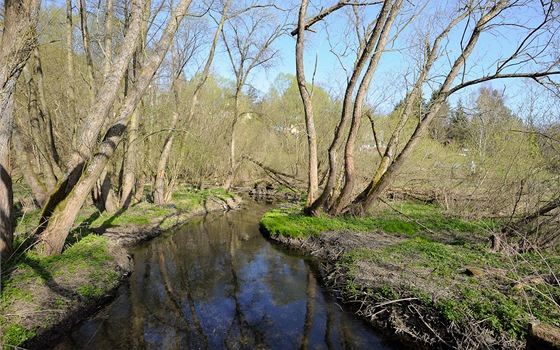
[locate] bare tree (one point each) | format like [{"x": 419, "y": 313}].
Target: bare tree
[
  {"x": 192, "y": 43},
  {"x": 17, "y": 43},
  {"x": 368, "y": 56},
  {"x": 50, "y": 239},
  {"x": 248, "y": 41},
  {"x": 485, "y": 16},
  {"x": 130, "y": 153},
  {"x": 530, "y": 58}
]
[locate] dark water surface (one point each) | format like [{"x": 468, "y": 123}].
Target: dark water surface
[{"x": 218, "y": 284}]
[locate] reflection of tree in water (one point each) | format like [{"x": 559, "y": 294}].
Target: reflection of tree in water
[
  {"x": 218, "y": 284},
  {"x": 240, "y": 334}
]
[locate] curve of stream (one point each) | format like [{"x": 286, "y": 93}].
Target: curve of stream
[{"x": 218, "y": 284}]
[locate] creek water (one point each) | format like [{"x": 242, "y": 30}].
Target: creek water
[{"x": 218, "y": 284}]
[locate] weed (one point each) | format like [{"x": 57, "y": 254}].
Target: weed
[{"x": 15, "y": 334}]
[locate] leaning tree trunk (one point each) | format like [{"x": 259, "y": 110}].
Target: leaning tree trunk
[
  {"x": 98, "y": 113},
  {"x": 380, "y": 34},
  {"x": 325, "y": 198},
  {"x": 51, "y": 239},
  {"x": 18, "y": 40}
]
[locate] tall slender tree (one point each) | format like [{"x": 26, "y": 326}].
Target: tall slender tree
[{"x": 17, "y": 43}]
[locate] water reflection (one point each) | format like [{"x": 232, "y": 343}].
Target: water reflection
[{"x": 219, "y": 285}]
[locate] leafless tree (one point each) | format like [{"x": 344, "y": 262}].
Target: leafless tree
[
  {"x": 531, "y": 57},
  {"x": 248, "y": 40},
  {"x": 17, "y": 43}
]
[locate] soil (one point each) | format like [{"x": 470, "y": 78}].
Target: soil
[{"x": 55, "y": 303}]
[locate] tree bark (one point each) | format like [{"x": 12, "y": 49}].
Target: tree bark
[
  {"x": 383, "y": 27},
  {"x": 313, "y": 180},
  {"x": 37, "y": 188},
  {"x": 323, "y": 200},
  {"x": 130, "y": 153},
  {"x": 103, "y": 194},
  {"x": 87, "y": 48},
  {"x": 18, "y": 40},
  {"x": 159, "y": 186},
  {"x": 37, "y": 127},
  {"x": 51, "y": 239}
]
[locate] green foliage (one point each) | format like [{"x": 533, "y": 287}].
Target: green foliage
[{"x": 15, "y": 334}]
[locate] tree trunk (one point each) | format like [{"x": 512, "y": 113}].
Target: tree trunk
[
  {"x": 129, "y": 162},
  {"x": 390, "y": 164},
  {"x": 22, "y": 158},
  {"x": 323, "y": 201},
  {"x": 232, "y": 157},
  {"x": 103, "y": 194},
  {"x": 87, "y": 49},
  {"x": 51, "y": 239},
  {"x": 159, "y": 186},
  {"x": 130, "y": 153},
  {"x": 18, "y": 40},
  {"x": 98, "y": 113},
  {"x": 383, "y": 27},
  {"x": 313, "y": 180},
  {"x": 37, "y": 127}
]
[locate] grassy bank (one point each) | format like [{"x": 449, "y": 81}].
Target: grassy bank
[
  {"x": 414, "y": 261},
  {"x": 42, "y": 295}
]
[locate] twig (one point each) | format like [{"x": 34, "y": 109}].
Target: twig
[{"x": 393, "y": 302}]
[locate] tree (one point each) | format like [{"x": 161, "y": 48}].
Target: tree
[
  {"x": 472, "y": 20},
  {"x": 188, "y": 51},
  {"x": 248, "y": 42},
  {"x": 60, "y": 216},
  {"x": 371, "y": 47},
  {"x": 313, "y": 180},
  {"x": 457, "y": 125},
  {"x": 490, "y": 118},
  {"x": 17, "y": 43}
]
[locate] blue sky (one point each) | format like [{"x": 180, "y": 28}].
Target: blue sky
[
  {"x": 390, "y": 79},
  {"x": 389, "y": 82}
]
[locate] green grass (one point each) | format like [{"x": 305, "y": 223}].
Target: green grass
[
  {"x": 87, "y": 261},
  {"x": 419, "y": 217},
  {"x": 489, "y": 299}
]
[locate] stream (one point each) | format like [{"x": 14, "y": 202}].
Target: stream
[{"x": 217, "y": 283}]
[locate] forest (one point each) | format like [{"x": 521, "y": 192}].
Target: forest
[{"x": 344, "y": 103}]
